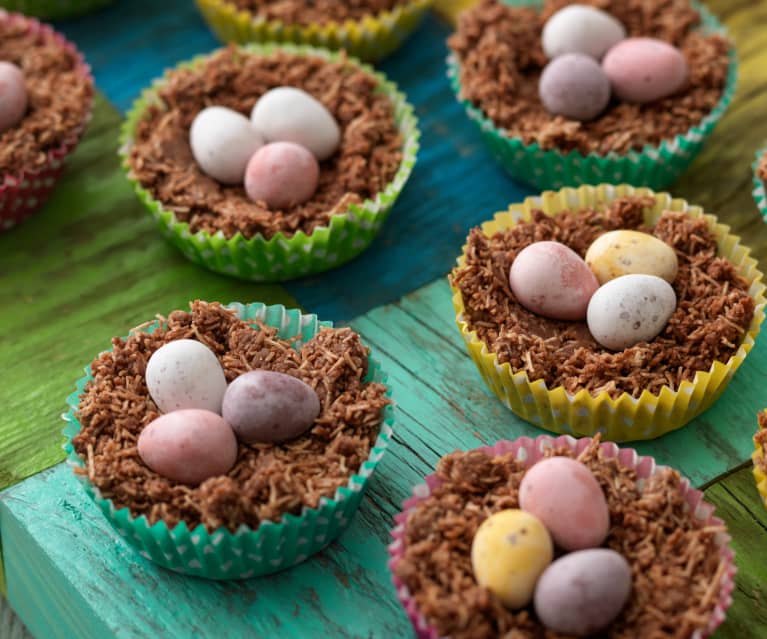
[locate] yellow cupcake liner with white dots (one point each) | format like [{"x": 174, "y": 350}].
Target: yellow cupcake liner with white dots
[
  {"x": 760, "y": 477},
  {"x": 370, "y": 38},
  {"x": 624, "y": 418}
]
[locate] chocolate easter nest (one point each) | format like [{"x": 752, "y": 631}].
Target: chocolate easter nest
[
  {"x": 713, "y": 314},
  {"x": 308, "y": 12},
  {"x": 501, "y": 58},
  {"x": 268, "y": 480}
]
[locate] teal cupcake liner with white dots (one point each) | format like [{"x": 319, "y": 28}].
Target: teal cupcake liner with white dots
[
  {"x": 655, "y": 166},
  {"x": 274, "y": 545},
  {"x": 760, "y": 195},
  {"x": 54, "y": 9},
  {"x": 282, "y": 257}
]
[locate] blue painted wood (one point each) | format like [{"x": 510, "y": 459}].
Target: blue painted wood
[{"x": 456, "y": 184}]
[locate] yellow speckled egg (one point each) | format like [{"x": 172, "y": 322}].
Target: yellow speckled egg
[
  {"x": 509, "y": 552},
  {"x": 618, "y": 253}
]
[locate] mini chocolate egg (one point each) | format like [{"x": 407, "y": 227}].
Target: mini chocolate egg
[
  {"x": 630, "y": 309},
  {"x": 287, "y": 114},
  {"x": 13, "y": 95},
  {"x": 189, "y": 445},
  {"x": 579, "y": 28},
  {"x": 645, "y": 69},
  {"x": 574, "y": 86},
  {"x": 185, "y": 373},
  {"x": 282, "y": 174},
  {"x": 264, "y": 406},
  {"x": 582, "y": 593},
  {"x": 509, "y": 552},
  {"x": 564, "y": 494},
  {"x": 222, "y": 142},
  {"x": 552, "y": 280},
  {"x": 619, "y": 253}
]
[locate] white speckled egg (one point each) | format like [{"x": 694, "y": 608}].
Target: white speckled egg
[
  {"x": 287, "y": 114},
  {"x": 630, "y": 309},
  {"x": 579, "y": 28},
  {"x": 185, "y": 373},
  {"x": 13, "y": 95},
  {"x": 188, "y": 446},
  {"x": 223, "y": 141},
  {"x": 582, "y": 593}
]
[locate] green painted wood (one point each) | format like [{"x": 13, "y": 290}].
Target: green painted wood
[
  {"x": 69, "y": 573},
  {"x": 738, "y": 503},
  {"x": 88, "y": 266}
]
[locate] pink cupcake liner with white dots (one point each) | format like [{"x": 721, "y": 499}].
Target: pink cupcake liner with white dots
[
  {"x": 529, "y": 451},
  {"x": 24, "y": 192}
]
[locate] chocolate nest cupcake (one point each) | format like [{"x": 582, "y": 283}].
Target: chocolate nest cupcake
[
  {"x": 216, "y": 224},
  {"x": 681, "y": 569},
  {"x": 555, "y": 373},
  {"x": 308, "y": 13},
  {"x": 497, "y": 66},
  {"x": 59, "y": 94},
  {"x": 273, "y": 489}
]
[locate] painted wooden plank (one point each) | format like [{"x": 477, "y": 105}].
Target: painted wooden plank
[
  {"x": 87, "y": 267},
  {"x": 60, "y": 551}
]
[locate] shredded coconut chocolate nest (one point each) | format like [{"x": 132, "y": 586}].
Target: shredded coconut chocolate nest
[
  {"x": 268, "y": 480},
  {"x": 761, "y": 439},
  {"x": 59, "y": 96},
  {"x": 501, "y": 59},
  {"x": 713, "y": 313},
  {"x": 309, "y": 12},
  {"x": 676, "y": 564},
  {"x": 367, "y": 160}
]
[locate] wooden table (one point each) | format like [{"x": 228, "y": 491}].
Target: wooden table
[{"x": 91, "y": 265}]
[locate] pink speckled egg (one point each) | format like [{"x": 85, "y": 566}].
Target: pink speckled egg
[
  {"x": 564, "y": 494},
  {"x": 282, "y": 174},
  {"x": 188, "y": 445},
  {"x": 550, "y": 279},
  {"x": 645, "y": 69},
  {"x": 13, "y": 95}
]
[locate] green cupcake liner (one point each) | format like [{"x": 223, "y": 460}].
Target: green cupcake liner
[
  {"x": 760, "y": 196},
  {"x": 654, "y": 166},
  {"x": 246, "y": 553},
  {"x": 53, "y": 9},
  {"x": 283, "y": 258}
]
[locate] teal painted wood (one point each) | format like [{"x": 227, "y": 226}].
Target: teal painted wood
[{"x": 70, "y": 575}]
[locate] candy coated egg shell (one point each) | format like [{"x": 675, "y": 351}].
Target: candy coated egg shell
[
  {"x": 282, "y": 174},
  {"x": 574, "y": 86},
  {"x": 617, "y": 253},
  {"x": 13, "y": 95},
  {"x": 579, "y": 28},
  {"x": 509, "y": 552}
]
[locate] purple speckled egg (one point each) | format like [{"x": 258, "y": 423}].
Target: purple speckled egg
[
  {"x": 13, "y": 95},
  {"x": 282, "y": 174},
  {"x": 188, "y": 446},
  {"x": 582, "y": 593},
  {"x": 564, "y": 494},
  {"x": 645, "y": 69},
  {"x": 264, "y": 406},
  {"x": 550, "y": 279},
  {"x": 574, "y": 86}
]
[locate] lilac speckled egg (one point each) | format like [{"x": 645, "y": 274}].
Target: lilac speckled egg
[
  {"x": 550, "y": 279},
  {"x": 574, "y": 86},
  {"x": 579, "y": 28},
  {"x": 282, "y": 174},
  {"x": 185, "y": 373},
  {"x": 582, "y": 593},
  {"x": 188, "y": 446},
  {"x": 13, "y": 95},
  {"x": 264, "y": 406},
  {"x": 645, "y": 69},
  {"x": 564, "y": 494}
]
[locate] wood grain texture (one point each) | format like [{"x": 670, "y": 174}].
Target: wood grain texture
[
  {"x": 87, "y": 267},
  {"x": 60, "y": 550}
]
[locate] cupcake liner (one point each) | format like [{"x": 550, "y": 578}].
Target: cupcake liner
[
  {"x": 53, "y": 9},
  {"x": 246, "y": 553},
  {"x": 283, "y": 258},
  {"x": 369, "y": 39},
  {"x": 625, "y": 418},
  {"x": 656, "y": 166},
  {"x": 760, "y": 197},
  {"x": 760, "y": 477},
  {"x": 23, "y": 193},
  {"x": 530, "y": 451}
]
